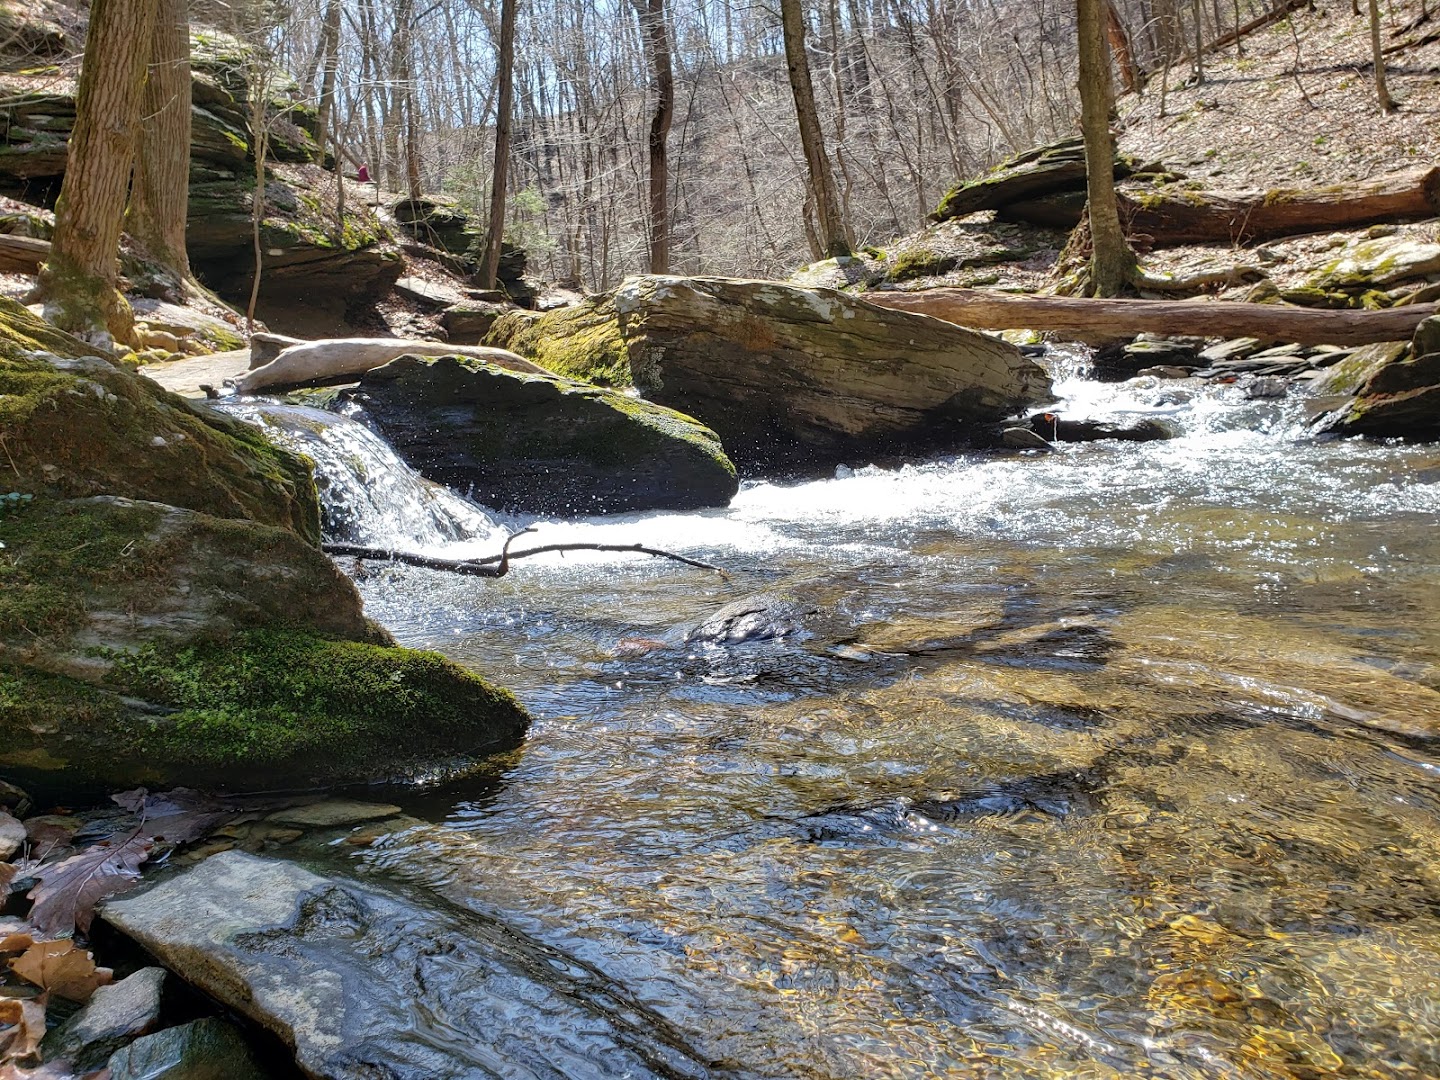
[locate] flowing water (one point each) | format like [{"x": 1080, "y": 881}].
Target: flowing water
[{"x": 1118, "y": 761}]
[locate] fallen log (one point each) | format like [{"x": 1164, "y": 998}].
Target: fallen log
[
  {"x": 497, "y": 566},
  {"x": 1163, "y": 220},
  {"x": 22, "y": 254},
  {"x": 1201, "y": 218},
  {"x": 982, "y": 309},
  {"x": 333, "y": 360},
  {"x": 1274, "y": 15}
]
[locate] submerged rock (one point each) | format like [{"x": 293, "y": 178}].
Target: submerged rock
[
  {"x": 761, "y": 617},
  {"x": 207, "y": 1049},
  {"x": 543, "y": 443},
  {"x": 786, "y": 375},
  {"x": 359, "y": 982}
]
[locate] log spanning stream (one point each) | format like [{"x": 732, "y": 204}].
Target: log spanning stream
[{"x": 1118, "y": 761}]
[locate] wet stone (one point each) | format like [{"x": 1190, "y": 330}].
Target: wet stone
[
  {"x": 333, "y": 814},
  {"x": 206, "y": 1049},
  {"x": 114, "y": 1015},
  {"x": 361, "y": 982}
]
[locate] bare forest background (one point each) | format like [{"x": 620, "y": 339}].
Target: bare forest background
[{"x": 914, "y": 95}]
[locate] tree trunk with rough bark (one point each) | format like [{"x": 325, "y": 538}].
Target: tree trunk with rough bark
[
  {"x": 654, "y": 26},
  {"x": 1130, "y": 77},
  {"x": 1112, "y": 263},
  {"x": 982, "y": 309},
  {"x": 834, "y": 235},
  {"x": 504, "y": 110},
  {"x": 1382, "y": 91},
  {"x": 159, "y": 193},
  {"x": 78, "y": 281}
]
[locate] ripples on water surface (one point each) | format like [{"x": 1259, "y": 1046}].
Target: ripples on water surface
[{"x": 1113, "y": 762}]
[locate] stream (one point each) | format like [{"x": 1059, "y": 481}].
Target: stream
[{"x": 1117, "y": 761}]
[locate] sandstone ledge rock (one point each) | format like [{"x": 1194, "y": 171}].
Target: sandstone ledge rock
[
  {"x": 1396, "y": 389},
  {"x": 541, "y": 443},
  {"x": 362, "y": 983},
  {"x": 784, "y": 375}
]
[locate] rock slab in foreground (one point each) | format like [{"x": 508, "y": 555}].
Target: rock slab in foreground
[
  {"x": 206, "y": 1049},
  {"x": 787, "y": 375},
  {"x": 542, "y": 443},
  {"x": 363, "y": 984}
]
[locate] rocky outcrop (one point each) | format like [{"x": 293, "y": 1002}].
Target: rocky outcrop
[
  {"x": 543, "y": 443},
  {"x": 1396, "y": 390},
  {"x": 358, "y": 982},
  {"x": 785, "y": 375},
  {"x": 1045, "y": 170},
  {"x": 166, "y": 615}
]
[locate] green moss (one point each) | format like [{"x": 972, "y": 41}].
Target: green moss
[
  {"x": 54, "y": 556},
  {"x": 269, "y": 698},
  {"x": 582, "y": 342},
  {"x": 920, "y": 262},
  {"x": 93, "y": 430}
]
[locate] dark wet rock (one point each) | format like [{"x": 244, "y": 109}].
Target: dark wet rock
[
  {"x": 1396, "y": 389},
  {"x": 1052, "y": 797},
  {"x": 1265, "y": 386},
  {"x": 363, "y": 983},
  {"x": 333, "y": 814},
  {"x": 114, "y": 1016},
  {"x": 543, "y": 443},
  {"x": 207, "y": 1049},
  {"x": 1058, "y": 428},
  {"x": 1165, "y": 371},
  {"x": 786, "y": 375},
  {"x": 1023, "y": 438},
  {"x": 761, "y": 617}
]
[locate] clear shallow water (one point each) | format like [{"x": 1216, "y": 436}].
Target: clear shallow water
[{"x": 1118, "y": 761}]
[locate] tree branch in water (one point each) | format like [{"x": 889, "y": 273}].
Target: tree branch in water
[{"x": 496, "y": 566}]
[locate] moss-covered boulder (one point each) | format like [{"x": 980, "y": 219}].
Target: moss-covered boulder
[
  {"x": 541, "y": 443},
  {"x": 787, "y": 376},
  {"x": 166, "y": 615},
  {"x": 74, "y": 425},
  {"x": 1397, "y": 390},
  {"x": 145, "y": 644}
]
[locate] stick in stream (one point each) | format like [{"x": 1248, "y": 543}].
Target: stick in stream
[{"x": 496, "y": 566}]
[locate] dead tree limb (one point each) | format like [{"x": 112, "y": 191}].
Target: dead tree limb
[
  {"x": 983, "y": 309},
  {"x": 22, "y": 254},
  {"x": 496, "y": 566}
]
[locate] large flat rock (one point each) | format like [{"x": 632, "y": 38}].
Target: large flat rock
[
  {"x": 362, "y": 984},
  {"x": 786, "y": 375}
]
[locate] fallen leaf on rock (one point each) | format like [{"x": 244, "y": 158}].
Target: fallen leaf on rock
[
  {"x": 22, "y": 1026},
  {"x": 177, "y": 816},
  {"x": 69, "y": 890},
  {"x": 62, "y": 968}
]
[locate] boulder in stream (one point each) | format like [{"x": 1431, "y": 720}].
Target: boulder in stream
[
  {"x": 1396, "y": 389},
  {"x": 542, "y": 443},
  {"x": 784, "y": 375},
  {"x": 166, "y": 614},
  {"x": 359, "y": 982}
]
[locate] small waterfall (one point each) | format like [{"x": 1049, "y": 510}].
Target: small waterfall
[{"x": 367, "y": 494}]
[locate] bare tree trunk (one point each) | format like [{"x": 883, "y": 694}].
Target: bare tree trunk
[
  {"x": 1387, "y": 103},
  {"x": 329, "y": 53},
  {"x": 159, "y": 194},
  {"x": 1120, "y": 45},
  {"x": 1112, "y": 263},
  {"x": 78, "y": 282},
  {"x": 504, "y": 109},
  {"x": 654, "y": 27},
  {"x": 834, "y": 233}
]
